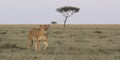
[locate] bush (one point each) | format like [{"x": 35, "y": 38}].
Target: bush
[
  {"x": 11, "y": 46},
  {"x": 23, "y": 31},
  {"x": 58, "y": 32},
  {"x": 53, "y": 22},
  {"x": 3, "y": 32},
  {"x": 98, "y": 32}
]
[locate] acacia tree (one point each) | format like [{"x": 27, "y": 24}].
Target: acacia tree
[{"x": 67, "y": 11}]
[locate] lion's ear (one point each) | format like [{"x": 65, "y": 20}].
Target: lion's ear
[{"x": 40, "y": 27}]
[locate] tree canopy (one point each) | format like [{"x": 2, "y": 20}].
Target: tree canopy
[
  {"x": 68, "y": 8},
  {"x": 67, "y": 11}
]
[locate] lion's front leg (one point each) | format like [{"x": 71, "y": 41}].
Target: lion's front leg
[{"x": 37, "y": 45}]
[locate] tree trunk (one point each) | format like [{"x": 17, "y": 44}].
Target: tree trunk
[{"x": 65, "y": 21}]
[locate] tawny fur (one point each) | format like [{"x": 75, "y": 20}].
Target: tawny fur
[{"x": 38, "y": 34}]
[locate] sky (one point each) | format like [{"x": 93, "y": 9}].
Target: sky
[{"x": 44, "y": 11}]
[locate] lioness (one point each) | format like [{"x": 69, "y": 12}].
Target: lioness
[{"x": 38, "y": 34}]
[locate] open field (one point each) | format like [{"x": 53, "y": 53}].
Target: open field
[{"x": 75, "y": 42}]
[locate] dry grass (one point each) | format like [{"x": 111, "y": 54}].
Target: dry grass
[{"x": 75, "y": 42}]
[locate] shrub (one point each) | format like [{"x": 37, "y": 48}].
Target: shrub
[
  {"x": 58, "y": 32},
  {"x": 98, "y": 32},
  {"x": 11, "y": 46},
  {"x": 23, "y": 31},
  {"x": 53, "y": 22},
  {"x": 3, "y": 32}
]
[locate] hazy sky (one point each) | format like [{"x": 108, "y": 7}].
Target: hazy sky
[{"x": 44, "y": 11}]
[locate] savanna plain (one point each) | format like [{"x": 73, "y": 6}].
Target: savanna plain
[{"x": 75, "y": 42}]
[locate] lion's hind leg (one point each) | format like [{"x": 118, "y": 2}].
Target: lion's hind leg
[
  {"x": 30, "y": 43},
  {"x": 45, "y": 42}
]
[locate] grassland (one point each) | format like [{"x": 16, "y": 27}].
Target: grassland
[{"x": 75, "y": 42}]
